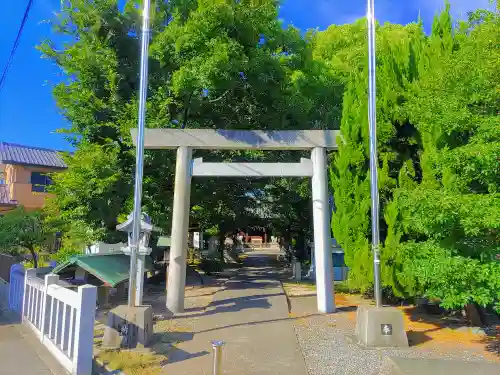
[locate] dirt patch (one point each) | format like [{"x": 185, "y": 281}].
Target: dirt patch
[
  {"x": 294, "y": 289},
  {"x": 201, "y": 291},
  {"x": 425, "y": 330}
]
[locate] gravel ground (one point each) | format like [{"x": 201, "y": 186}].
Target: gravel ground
[{"x": 325, "y": 344}]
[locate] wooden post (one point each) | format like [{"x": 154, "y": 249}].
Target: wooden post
[{"x": 84, "y": 330}]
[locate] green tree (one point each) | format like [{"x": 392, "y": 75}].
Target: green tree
[
  {"x": 87, "y": 199},
  {"x": 220, "y": 64},
  {"x": 448, "y": 223},
  {"x": 398, "y": 58},
  {"x": 438, "y": 148},
  {"x": 22, "y": 231}
]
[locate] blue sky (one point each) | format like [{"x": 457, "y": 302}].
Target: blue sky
[{"x": 29, "y": 115}]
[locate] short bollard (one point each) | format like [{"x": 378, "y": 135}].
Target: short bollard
[{"x": 217, "y": 346}]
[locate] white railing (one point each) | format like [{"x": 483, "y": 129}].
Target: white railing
[
  {"x": 62, "y": 319},
  {"x": 16, "y": 288}
]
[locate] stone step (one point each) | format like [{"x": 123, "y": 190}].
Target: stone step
[{"x": 421, "y": 366}]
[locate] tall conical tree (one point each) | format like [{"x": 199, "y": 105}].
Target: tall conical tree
[{"x": 398, "y": 52}]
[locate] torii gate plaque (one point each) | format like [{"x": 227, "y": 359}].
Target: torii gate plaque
[{"x": 185, "y": 140}]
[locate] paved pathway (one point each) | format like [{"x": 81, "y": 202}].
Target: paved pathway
[
  {"x": 20, "y": 355},
  {"x": 251, "y": 316}
]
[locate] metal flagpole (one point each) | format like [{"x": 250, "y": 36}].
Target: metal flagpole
[
  {"x": 372, "y": 119},
  {"x": 143, "y": 90}
]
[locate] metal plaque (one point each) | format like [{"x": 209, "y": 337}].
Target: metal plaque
[{"x": 386, "y": 329}]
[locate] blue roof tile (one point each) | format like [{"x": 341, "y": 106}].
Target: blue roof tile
[{"x": 17, "y": 154}]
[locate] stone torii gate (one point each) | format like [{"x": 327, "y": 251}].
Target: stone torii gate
[{"x": 185, "y": 140}]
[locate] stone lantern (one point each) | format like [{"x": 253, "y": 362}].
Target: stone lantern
[
  {"x": 142, "y": 251},
  {"x": 144, "y": 235}
]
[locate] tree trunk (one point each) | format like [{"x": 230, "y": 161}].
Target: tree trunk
[
  {"x": 34, "y": 257},
  {"x": 473, "y": 316},
  {"x": 222, "y": 240},
  {"x": 300, "y": 247}
]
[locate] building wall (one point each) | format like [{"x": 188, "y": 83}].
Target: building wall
[
  {"x": 18, "y": 179},
  {"x": 4, "y": 191}
]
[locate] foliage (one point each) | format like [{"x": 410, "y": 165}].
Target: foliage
[
  {"x": 22, "y": 231},
  {"x": 132, "y": 361},
  {"x": 65, "y": 253},
  {"x": 211, "y": 266},
  {"x": 212, "y": 64},
  {"x": 438, "y": 132},
  {"x": 232, "y": 65},
  {"x": 86, "y": 202},
  {"x": 212, "y": 231},
  {"x": 397, "y": 59},
  {"x": 448, "y": 224},
  {"x": 193, "y": 256},
  {"x": 454, "y": 280}
]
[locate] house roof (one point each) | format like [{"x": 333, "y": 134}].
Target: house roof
[
  {"x": 11, "y": 153},
  {"x": 111, "y": 269}
]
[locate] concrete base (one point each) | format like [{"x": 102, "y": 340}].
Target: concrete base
[
  {"x": 128, "y": 327},
  {"x": 421, "y": 366},
  {"x": 380, "y": 327}
]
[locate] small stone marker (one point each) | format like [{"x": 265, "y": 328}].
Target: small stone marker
[
  {"x": 380, "y": 327},
  {"x": 128, "y": 327}
]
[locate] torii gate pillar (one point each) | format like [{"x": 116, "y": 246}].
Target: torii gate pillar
[
  {"x": 179, "y": 236},
  {"x": 322, "y": 236}
]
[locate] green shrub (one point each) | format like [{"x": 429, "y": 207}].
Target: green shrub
[
  {"x": 64, "y": 254},
  {"x": 213, "y": 231},
  {"x": 211, "y": 266},
  {"x": 193, "y": 257}
]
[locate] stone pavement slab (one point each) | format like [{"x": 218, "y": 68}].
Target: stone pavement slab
[
  {"x": 412, "y": 366},
  {"x": 20, "y": 354},
  {"x": 251, "y": 316}
]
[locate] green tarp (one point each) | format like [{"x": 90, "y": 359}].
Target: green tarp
[{"x": 111, "y": 269}]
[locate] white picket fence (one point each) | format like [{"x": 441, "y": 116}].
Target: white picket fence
[{"x": 62, "y": 319}]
